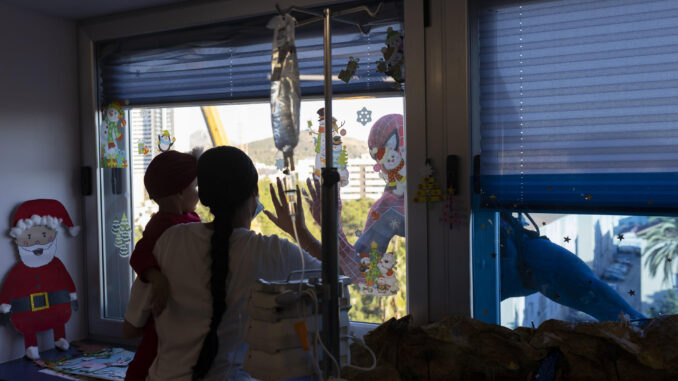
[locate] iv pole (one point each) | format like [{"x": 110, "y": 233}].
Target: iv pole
[{"x": 329, "y": 189}]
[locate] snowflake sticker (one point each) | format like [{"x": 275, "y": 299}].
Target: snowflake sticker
[
  {"x": 364, "y": 116},
  {"x": 395, "y": 224},
  {"x": 426, "y": 170}
]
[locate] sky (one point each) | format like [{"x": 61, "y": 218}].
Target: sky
[{"x": 245, "y": 123}]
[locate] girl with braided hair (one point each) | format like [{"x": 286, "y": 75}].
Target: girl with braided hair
[{"x": 211, "y": 268}]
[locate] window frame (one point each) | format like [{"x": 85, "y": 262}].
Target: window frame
[
  {"x": 485, "y": 268},
  {"x": 182, "y": 16}
]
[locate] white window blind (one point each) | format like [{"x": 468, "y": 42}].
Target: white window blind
[{"x": 579, "y": 105}]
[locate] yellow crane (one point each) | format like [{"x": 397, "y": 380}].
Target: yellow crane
[{"x": 214, "y": 126}]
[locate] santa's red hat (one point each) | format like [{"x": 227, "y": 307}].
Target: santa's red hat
[{"x": 50, "y": 213}]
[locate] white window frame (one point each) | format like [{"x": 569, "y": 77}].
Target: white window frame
[{"x": 182, "y": 16}]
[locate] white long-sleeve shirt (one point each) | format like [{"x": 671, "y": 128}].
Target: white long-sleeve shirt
[{"x": 183, "y": 253}]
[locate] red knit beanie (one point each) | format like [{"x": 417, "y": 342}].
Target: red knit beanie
[{"x": 169, "y": 173}]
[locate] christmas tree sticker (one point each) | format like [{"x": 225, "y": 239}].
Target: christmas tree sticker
[
  {"x": 428, "y": 190},
  {"x": 122, "y": 231},
  {"x": 343, "y": 158},
  {"x": 378, "y": 271}
]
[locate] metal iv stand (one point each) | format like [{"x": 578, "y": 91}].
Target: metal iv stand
[{"x": 330, "y": 179}]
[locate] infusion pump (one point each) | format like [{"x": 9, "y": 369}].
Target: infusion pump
[{"x": 284, "y": 320}]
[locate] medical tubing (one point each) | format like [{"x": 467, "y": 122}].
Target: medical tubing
[
  {"x": 314, "y": 298},
  {"x": 374, "y": 357},
  {"x": 301, "y": 252}
]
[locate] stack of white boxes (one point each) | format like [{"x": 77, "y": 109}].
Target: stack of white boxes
[{"x": 275, "y": 349}]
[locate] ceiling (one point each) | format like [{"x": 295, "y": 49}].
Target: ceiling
[{"x": 82, "y": 9}]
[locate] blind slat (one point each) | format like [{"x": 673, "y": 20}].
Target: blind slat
[
  {"x": 233, "y": 61},
  {"x": 579, "y": 105}
]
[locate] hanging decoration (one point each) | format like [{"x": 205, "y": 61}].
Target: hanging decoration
[
  {"x": 112, "y": 135},
  {"x": 451, "y": 214},
  {"x": 428, "y": 191},
  {"x": 378, "y": 272},
  {"x": 38, "y": 293},
  {"x": 351, "y": 67},
  {"x": 339, "y": 153},
  {"x": 123, "y": 235},
  {"x": 165, "y": 141},
  {"x": 392, "y": 63},
  {"x": 144, "y": 149},
  {"x": 364, "y": 116}
]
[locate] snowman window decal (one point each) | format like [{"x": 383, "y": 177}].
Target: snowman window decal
[{"x": 113, "y": 154}]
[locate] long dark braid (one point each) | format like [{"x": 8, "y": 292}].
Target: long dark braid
[{"x": 226, "y": 179}]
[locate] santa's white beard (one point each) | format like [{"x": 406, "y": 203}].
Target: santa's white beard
[{"x": 29, "y": 254}]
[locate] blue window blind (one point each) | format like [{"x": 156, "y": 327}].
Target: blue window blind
[
  {"x": 232, "y": 61},
  {"x": 579, "y": 105}
]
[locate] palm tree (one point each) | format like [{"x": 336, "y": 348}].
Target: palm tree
[{"x": 662, "y": 245}]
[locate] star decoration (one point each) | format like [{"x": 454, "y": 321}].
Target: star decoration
[
  {"x": 492, "y": 197},
  {"x": 364, "y": 116},
  {"x": 566, "y": 239},
  {"x": 426, "y": 170},
  {"x": 620, "y": 237},
  {"x": 631, "y": 292},
  {"x": 587, "y": 196}
]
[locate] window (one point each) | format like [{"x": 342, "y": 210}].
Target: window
[
  {"x": 159, "y": 75},
  {"x": 248, "y": 126},
  {"x": 574, "y": 110},
  {"x": 632, "y": 255}
]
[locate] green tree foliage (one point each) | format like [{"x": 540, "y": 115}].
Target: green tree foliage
[
  {"x": 366, "y": 308},
  {"x": 662, "y": 245},
  {"x": 204, "y": 212},
  {"x": 667, "y": 305}
]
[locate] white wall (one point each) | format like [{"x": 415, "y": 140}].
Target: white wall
[{"x": 39, "y": 143}]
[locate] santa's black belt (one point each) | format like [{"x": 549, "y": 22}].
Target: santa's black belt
[{"x": 40, "y": 301}]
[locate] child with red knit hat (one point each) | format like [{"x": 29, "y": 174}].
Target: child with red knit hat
[{"x": 170, "y": 181}]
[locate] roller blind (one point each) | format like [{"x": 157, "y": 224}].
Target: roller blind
[
  {"x": 232, "y": 61},
  {"x": 579, "y": 105}
]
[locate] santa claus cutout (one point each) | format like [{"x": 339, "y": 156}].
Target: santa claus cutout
[{"x": 38, "y": 291}]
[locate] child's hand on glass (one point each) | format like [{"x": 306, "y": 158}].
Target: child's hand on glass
[{"x": 282, "y": 217}]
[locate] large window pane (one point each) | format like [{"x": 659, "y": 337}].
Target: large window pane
[
  {"x": 115, "y": 211},
  {"x": 248, "y": 126},
  {"x": 634, "y": 257}
]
